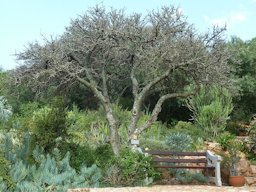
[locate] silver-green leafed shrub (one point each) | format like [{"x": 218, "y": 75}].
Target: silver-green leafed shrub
[
  {"x": 5, "y": 109},
  {"x": 179, "y": 142},
  {"x": 53, "y": 175},
  {"x": 187, "y": 177}
]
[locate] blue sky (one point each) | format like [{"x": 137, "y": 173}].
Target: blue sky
[{"x": 24, "y": 21}]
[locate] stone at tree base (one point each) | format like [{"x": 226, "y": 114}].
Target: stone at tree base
[
  {"x": 244, "y": 167},
  {"x": 253, "y": 168},
  {"x": 251, "y": 181},
  {"x": 214, "y": 147}
]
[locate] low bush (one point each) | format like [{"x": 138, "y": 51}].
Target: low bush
[
  {"x": 130, "y": 169},
  {"x": 224, "y": 139},
  {"x": 5, "y": 179},
  {"x": 188, "y": 128},
  {"x": 49, "y": 125},
  {"x": 179, "y": 142},
  {"x": 53, "y": 174},
  {"x": 152, "y": 144},
  {"x": 79, "y": 155},
  {"x": 103, "y": 156},
  {"x": 187, "y": 177}
]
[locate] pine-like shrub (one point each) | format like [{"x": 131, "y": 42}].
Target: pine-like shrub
[
  {"x": 211, "y": 107},
  {"x": 49, "y": 125}
]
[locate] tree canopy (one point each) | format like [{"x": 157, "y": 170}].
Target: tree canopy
[{"x": 109, "y": 51}]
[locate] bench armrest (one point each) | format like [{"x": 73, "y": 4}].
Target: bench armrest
[{"x": 212, "y": 159}]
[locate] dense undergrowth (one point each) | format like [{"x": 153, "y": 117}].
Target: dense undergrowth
[{"x": 52, "y": 148}]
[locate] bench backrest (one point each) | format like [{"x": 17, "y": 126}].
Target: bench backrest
[{"x": 170, "y": 159}]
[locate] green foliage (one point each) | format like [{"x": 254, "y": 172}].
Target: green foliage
[
  {"x": 152, "y": 144},
  {"x": 187, "y": 177},
  {"x": 224, "y": 139},
  {"x": 5, "y": 179},
  {"x": 153, "y": 138},
  {"x": 104, "y": 156},
  {"x": 88, "y": 127},
  {"x": 156, "y": 132},
  {"x": 243, "y": 75},
  {"x": 188, "y": 128},
  {"x": 252, "y": 136},
  {"x": 49, "y": 125},
  {"x": 130, "y": 169},
  {"x": 234, "y": 147},
  {"x": 182, "y": 125},
  {"x": 179, "y": 142},
  {"x": 211, "y": 108},
  {"x": 79, "y": 154}
]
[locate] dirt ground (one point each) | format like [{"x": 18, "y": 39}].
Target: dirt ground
[{"x": 171, "y": 188}]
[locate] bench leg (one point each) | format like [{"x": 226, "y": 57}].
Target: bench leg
[{"x": 218, "y": 175}]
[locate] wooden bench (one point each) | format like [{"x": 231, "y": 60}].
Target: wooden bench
[{"x": 187, "y": 160}]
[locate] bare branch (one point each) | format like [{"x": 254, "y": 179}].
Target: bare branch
[{"x": 158, "y": 107}]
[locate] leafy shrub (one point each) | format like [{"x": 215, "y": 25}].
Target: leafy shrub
[
  {"x": 5, "y": 179},
  {"x": 183, "y": 125},
  {"x": 79, "y": 155},
  {"x": 153, "y": 144},
  {"x": 188, "y": 128},
  {"x": 153, "y": 138},
  {"x": 179, "y": 142},
  {"x": 224, "y": 139},
  {"x": 130, "y": 169},
  {"x": 87, "y": 127},
  {"x": 103, "y": 155}
]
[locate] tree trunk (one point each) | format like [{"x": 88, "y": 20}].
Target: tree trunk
[
  {"x": 114, "y": 136},
  {"x": 136, "y": 109}
]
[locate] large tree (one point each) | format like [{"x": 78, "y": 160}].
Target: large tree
[
  {"x": 110, "y": 51},
  {"x": 243, "y": 72}
]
